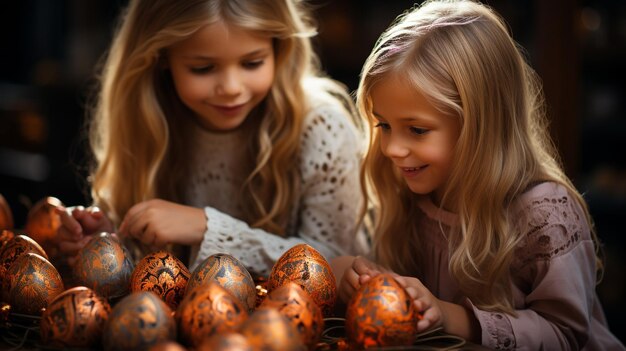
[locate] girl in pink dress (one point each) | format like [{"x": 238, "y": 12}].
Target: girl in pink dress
[{"x": 473, "y": 212}]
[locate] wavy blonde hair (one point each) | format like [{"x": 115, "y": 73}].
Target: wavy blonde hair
[
  {"x": 138, "y": 128},
  {"x": 461, "y": 56}
]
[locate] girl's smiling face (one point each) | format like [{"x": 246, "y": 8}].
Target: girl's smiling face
[
  {"x": 221, "y": 73},
  {"x": 417, "y": 137}
]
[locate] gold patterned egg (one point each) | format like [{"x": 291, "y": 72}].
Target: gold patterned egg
[
  {"x": 225, "y": 342},
  {"x": 267, "y": 329},
  {"x": 33, "y": 284},
  {"x": 305, "y": 266},
  {"x": 42, "y": 222},
  {"x": 9, "y": 253},
  {"x": 105, "y": 266},
  {"x": 303, "y": 313},
  {"x": 75, "y": 318},
  {"x": 228, "y": 272},
  {"x": 381, "y": 313},
  {"x": 137, "y": 322},
  {"x": 163, "y": 274},
  {"x": 207, "y": 310},
  {"x": 6, "y": 216}
]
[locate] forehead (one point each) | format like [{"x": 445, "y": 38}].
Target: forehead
[{"x": 220, "y": 40}]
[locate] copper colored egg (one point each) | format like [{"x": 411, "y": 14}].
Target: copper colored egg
[
  {"x": 167, "y": 346},
  {"x": 381, "y": 313},
  {"x": 33, "y": 284},
  {"x": 207, "y": 310},
  {"x": 75, "y": 318},
  {"x": 225, "y": 342},
  {"x": 9, "y": 253},
  {"x": 137, "y": 322},
  {"x": 305, "y": 266},
  {"x": 228, "y": 272},
  {"x": 303, "y": 313},
  {"x": 163, "y": 274},
  {"x": 268, "y": 329},
  {"x": 42, "y": 221},
  {"x": 105, "y": 266},
  {"x": 6, "y": 216}
]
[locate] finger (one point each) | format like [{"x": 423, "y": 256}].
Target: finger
[{"x": 70, "y": 228}]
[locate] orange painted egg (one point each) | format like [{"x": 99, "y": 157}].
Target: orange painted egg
[
  {"x": 105, "y": 266},
  {"x": 75, "y": 318},
  {"x": 33, "y": 284},
  {"x": 268, "y": 329},
  {"x": 167, "y": 346},
  {"x": 6, "y": 216},
  {"x": 381, "y": 313},
  {"x": 163, "y": 274},
  {"x": 305, "y": 266},
  {"x": 9, "y": 253},
  {"x": 228, "y": 272},
  {"x": 207, "y": 310},
  {"x": 225, "y": 342},
  {"x": 137, "y": 322},
  {"x": 42, "y": 222},
  {"x": 303, "y": 313}
]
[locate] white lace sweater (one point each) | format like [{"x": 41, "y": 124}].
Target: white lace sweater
[{"x": 325, "y": 214}]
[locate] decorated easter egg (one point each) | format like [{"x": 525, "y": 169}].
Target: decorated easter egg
[
  {"x": 163, "y": 274},
  {"x": 303, "y": 313},
  {"x": 138, "y": 321},
  {"x": 33, "y": 284},
  {"x": 12, "y": 249},
  {"x": 167, "y": 346},
  {"x": 225, "y": 342},
  {"x": 305, "y": 266},
  {"x": 43, "y": 222},
  {"x": 268, "y": 329},
  {"x": 6, "y": 216},
  {"x": 380, "y": 314},
  {"x": 105, "y": 266},
  {"x": 207, "y": 310},
  {"x": 5, "y": 236},
  {"x": 228, "y": 272},
  {"x": 75, "y": 318}
]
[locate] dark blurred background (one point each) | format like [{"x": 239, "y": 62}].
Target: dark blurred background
[{"x": 50, "y": 49}]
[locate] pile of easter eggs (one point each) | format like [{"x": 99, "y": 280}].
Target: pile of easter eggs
[{"x": 157, "y": 303}]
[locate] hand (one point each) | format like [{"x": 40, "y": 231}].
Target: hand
[
  {"x": 158, "y": 222},
  {"x": 359, "y": 272},
  {"x": 430, "y": 307},
  {"x": 78, "y": 224}
]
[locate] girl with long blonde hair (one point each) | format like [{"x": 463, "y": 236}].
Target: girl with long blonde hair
[
  {"x": 473, "y": 211},
  {"x": 215, "y": 128}
]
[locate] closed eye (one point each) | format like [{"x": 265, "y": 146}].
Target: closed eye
[
  {"x": 419, "y": 131},
  {"x": 251, "y": 65},
  {"x": 201, "y": 70}
]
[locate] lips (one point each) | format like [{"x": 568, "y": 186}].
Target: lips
[
  {"x": 229, "y": 110},
  {"x": 412, "y": 171}
]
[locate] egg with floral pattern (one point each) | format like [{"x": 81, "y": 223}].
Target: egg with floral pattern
[
  {"x": 305, "y": 266},
  {"x": 75, "y": 318},
  {"x": 228, "y": 272},
  {"x": 380, "y": 314},
  {"x": 9, "y": 253},
  {"x": 138, "y": 321},
  {"x": 303, "y": 313},
  {"x": 33, "y": 284},
  {"x": 163, "y": 274},
  {"x": 105, "y": 266},
  {"x": 207, "y": 310}
]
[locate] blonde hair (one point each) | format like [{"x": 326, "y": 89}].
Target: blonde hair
[
  {"x": 461, "y": 56},
  {"x": 138, "y": 134}
]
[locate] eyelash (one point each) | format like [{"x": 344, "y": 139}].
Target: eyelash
[
  {"x": 415, "y": 130},
  {"x": 248, "y": 65}
]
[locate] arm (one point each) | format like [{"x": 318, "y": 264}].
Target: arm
[{"x": 326, "y": 214}]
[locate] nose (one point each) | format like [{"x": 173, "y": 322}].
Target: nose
[
  {"x": 394, "y": 146},
  {"x": 229, "y": 83}
]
